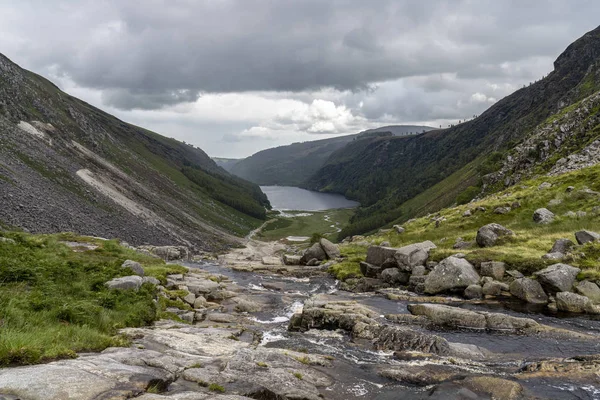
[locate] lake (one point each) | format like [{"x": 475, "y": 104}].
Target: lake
[{"x": 293, "y": 198}]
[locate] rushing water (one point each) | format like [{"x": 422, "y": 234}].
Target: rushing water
[
  {"x": 355, "y": 371},
  {"x": 293, "y": 198}
]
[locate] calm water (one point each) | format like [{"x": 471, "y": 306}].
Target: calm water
[{"x": 293, "y": 198}]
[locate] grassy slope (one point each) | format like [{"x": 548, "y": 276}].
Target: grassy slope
[
  {"x": 317, "y": 222},
  {"x": 524, "y": 251},
  {"x": 53, "y": 301}
]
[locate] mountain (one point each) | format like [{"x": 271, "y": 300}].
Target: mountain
[
  {"x": 68, "y": 166},
  {"x": 293, "y": 164},
  {"x": 396, "y": 178},
  {"x": 226, "y": 163}
]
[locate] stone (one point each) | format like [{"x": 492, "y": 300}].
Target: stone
[
  {"x": 563, "y": 246},
  {"x": 200, "y": 302},
  {"x": 584, "y": 237},
  {"x": 488, "y": 235},
  {"x": 220, "y": 318},
  {"x": 389, "y": 263},
  {"x": 557, "y": 277},
  {"x": 314, "y": 251},
  {"x": 473, "y": 292},
  {"x": 467, "y": 213},
  {"x": 421, "y": 375},
  {"x": 133, "y": 282},
  {"x": 289, "y": 259},
  {"x": 399, "y": 229},
  {"x": 461, "y": 244},
  {"x": 413, "y": 254},
  {"x": 515, "y": 204},
  {"x": 494, "y": 288},
  {"x": 246, "y": 306},
  {"x": 135, "y": 267},
  {"x": 313, "y": 262},
  {"x": 450, "y": 275},
  {"x": 581, "y": 214},
  {"x": 7, "y": 240},
  {"x": 501, "y": 210},
  {"x": 575, "y": 303},
  {"x": 543, "y": 216},
  {"x": 570, "y": 214},
  {"x": 528, "y": 290},
  {"x": 331, "y": 250},
  {"x": 556, "y": 256},
  {"x": 513, "y": 273},
  {"x": 545, "y": 185},
  {"x": 418, "y": 270},
  {"x": 369, "y": 270},
  {"x": 151, "y": 280},
  {"x": 394, "y": 276},
  {"x": 188, "y": 316},
  {"x": 495, "y": 269},
  {"x": 269, "y": 260},
  {"x": 570, "y": 189},
  {"x": 554, "y": 202},
  {"x": 377, "y": 255},
  {"x": 589, "y": 290},
  {"x": 385, "y": 244},
  {"x": 494, "y": 387},
  {"x": 190, "y": 298}
]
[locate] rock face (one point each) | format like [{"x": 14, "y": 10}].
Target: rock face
[
  {"x": 557, "y": 277},
  {"x": 575, "y": 303},
  {"x": 488, "y": 235},
  {"x": 584, "y": 237},
  {"x": 528, "y": 290},
  {"x": 133, "y": 282},
  {"x": 136, "y": 267},
  {"x": 450, "y": 275},
  {"x": 543, "y": 216},
  {"x": 331, "y": 250},
  {"x": 493, "y": 269}
]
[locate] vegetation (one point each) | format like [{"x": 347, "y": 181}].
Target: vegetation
[
  {"x": 53, "y": 302},
  {"x": 214, "y": 387},
  {"x": 305, "y": 224}
]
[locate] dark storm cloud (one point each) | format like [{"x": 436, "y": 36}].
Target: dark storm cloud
[{"x": 156, "y": 53}]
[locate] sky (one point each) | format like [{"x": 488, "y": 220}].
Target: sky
[{"x": 237, "y": 76}]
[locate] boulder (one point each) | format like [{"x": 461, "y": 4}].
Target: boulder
[
  {"x": 467, "y": 213},
  {"x": 589, "y": 290},
  {"x": 450, "y": 275},
  {"x": 418, "y": 270},
  {"x": 584, "y": 237},
  {"x": 331, "y": 250},
  {"x": 563, "y": 246},
  {"x": 575, "y": 303},
  {"x": 389, "y": 263},
  {"x": 132, "y": 282},
  {"x": 399, "y": 229},
  {"x": 557, "y": 277},
  {"x": 494, "y": 288},
  {"x": 545, "y": 185},
  {"x": 289, "y": 259},
  {"x": 495, "y": 269},
  {"x": 190, "y": 298},
  {"x": 528, "y": 290},
  {"x": 488, "y": 235},
  {"x": 543, "y": 216},
  {"x": 394, "y": 276},
  {"x": 501, "y": 210},
  {"x": 313, "y": 262},
  {"x": 554, "y": 256},
  {"x": 413, "y": 254},
  {"x": 270, "y": 260},
  {"x": 151, "y": 280},
  {"x": 377, "y": 255},
  {"x": 473, "y": 292},
  {"x": 513, "y": 273},
  {"x": 314, "y": 251},
  {"x": 135, "y": 266},
  {"x": 200, "y": 302},
  {"x": 369, "y": 270}
]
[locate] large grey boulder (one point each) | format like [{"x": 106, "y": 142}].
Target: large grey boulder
[
  {"x": 370, "y": 270},
  {"x": 377, "y": 255},
  {"x": 528, "y": 290},
  {"x": 584, "y": 237},
  {"x": 575, "y": 303},
  {"x": 563, "y": 246},
  {"x": 394, "y": 276},
  {"x": 451, "y": 274},
  {"x": 331, "y": 250},
  {"x": 543, "y": 216},
  {"x": 135, "y": 266},
  {"x": 313, "y": 252},
  {"x": 488, "y": 235},
  {"x": 132, "y": 282},
  {"x": 413, "y": 254},
  {"x": 589, "y": 290},
  {"x": 495, "y": 269},
  {"x": 557, "y": 277}
]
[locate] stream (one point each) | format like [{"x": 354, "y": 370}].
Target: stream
[{"x": 355, "y": 373}]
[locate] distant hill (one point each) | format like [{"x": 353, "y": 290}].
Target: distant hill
[
  {"x": 68, "y": 166},
  {"x": 397, "y": 130},
  {"x": 226, "y": 163}
]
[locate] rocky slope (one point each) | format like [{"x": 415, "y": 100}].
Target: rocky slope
[
  {"x": 67, "y": 166},
  {"x": 386, "y": 172}
]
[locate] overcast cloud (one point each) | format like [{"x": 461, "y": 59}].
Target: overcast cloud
[{"x": 237, "y": 76}]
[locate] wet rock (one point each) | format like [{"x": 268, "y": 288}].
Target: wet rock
[
  {"x": 557, "y": 277},
  {"x": 589, "y": 290},
  {"x": 394, "y": 276},
  {"x": 421, "y": 375},
  {"x": 376, "y": 255},
  {"x": 496, "y": 388},
  {"x": 278, "y": 286},
  {"x": 575, "y": 303},
  {"x": 488, "y": 235},
  {"x": 369, "y": 270},
  {"x": 313, "y": 252},
  {"x": 528, "y": 290},
  {"x": 289, "y": 259},
  {"x": 495, "y": 269},
  {"x": 494, "y": 288},
  {"x": 584, "y": 237},
  {"x": 398, "y": 338},
  {"x": 133, "y": 282},
  {"x": 543, "y": 216},
  {"x": 134, "y": 266},
  {"x": 473, "y": 292},
  {"x": 449, "y": 275},
  {"x": 331, "y": 250},
  {"x": 399, "y": 229}
]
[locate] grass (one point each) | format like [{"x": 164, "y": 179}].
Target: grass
[
  {"x": 262, "y": 364},
  {"x": 298, "y": 375},
  {"x": 317, "y": 222},
  {"x": 523, "y": 251},
  {"x": 53, "y": 302},
  {"x": 214, "y": 387}
]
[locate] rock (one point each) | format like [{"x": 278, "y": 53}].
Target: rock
[
  {"x": 377, "y": 255},
  {"x": 278, "y": 286},
  {"x": 246, "y": 306},
  {"x": 151, "y": 280},
  {"x": 515, "y": 204},
  {"x": 399, "y": 229},
  {"x": 413, "y": 254},
  {"x": 545, "y": 185},
  {"x": 369, "y": 270},
  {"x": 190, "y": 298},
  {"x": 557, "y": 277},
  {"x": 397, "y": 338},
  {"x": 554, "y": 202},
  {"x": 589, "y": 290},
  {"x": 495, "y": 269},
  {"x": 554, "y": 256},
  {"x": 188, "y": 316},
  {"x": 291, "y": 259},
  {"x": 488, "y": 235},
  {"x": 385, "y": 244},
  {"x": 132, "y": 282},
  {"x": 394, "y": 276},
  {"x": 418, "y": 270},
  {"x": 201, "y": 287},
  {"x": 513, "y": 273},
  {"x": 584, "y": 237},
  {"x": 563, "y": 246},
  {"x": 135, "y": 267},
  {"x": 7, "y": 240},
  {"x": 389, "y": 263},
  {"x": 575, "y": 303},
  {"x": 220, "y": 318},
  {"x": 331, "y": 250},
  {"x": 570, "y": 214},
  {"x": 467, "y": 213},
  {"x": 570, "y": 189},
  {"x": 473, "y": 292},
  {"x": 451, "y": 274},
  {"x": 528, "y": 290},
  {"x": 494, "y": 387},
  {"x": 200, "y": 302},
  {"x": 494, "y": 288},
  {"x": 168, "y": 253},
  {"x": 543, "y": 216},
  {"x": 581, "y": 214},
  {"x": 314, "y": 251},
  {"x": 421, "y": 375},
  {"x": 461, "y": 244},
  {"x": 269, "y": 260},
  {"x": 501, "y": 210},
  {"x": 313, "y": 262}
]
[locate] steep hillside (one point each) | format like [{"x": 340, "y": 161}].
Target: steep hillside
[
  {"x": 67, "y": 166},
  {"x": 226, "y": 163},
  {"x": 398, "y": 130},
  {"x": 385, "y": 172}
]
